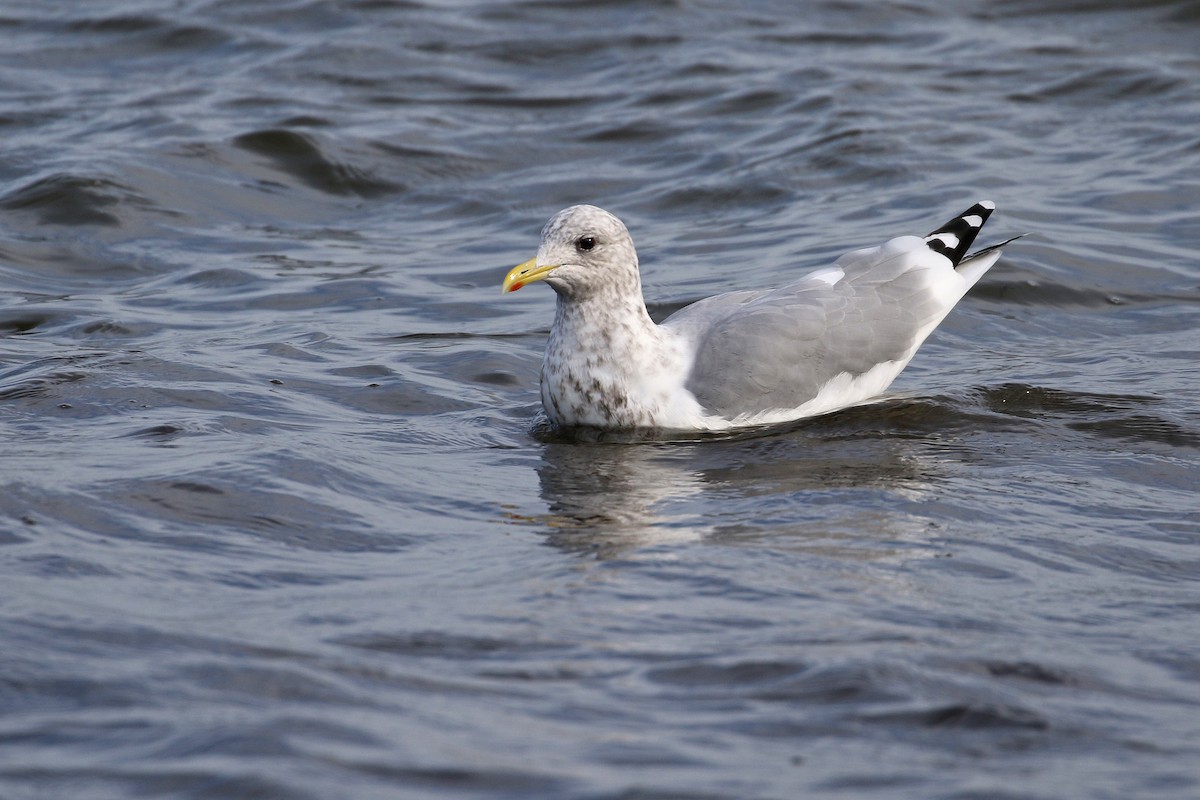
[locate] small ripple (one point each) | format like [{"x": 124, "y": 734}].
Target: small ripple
[
  {"x": 158, "y": 433},
  {"x": 752, "y": 101},
  {"x": 66, "y": 199},
  {"x": 50, "y": 692},
  {"x": 438, "y": 644},
  {"x": 742, "y": 194},
  {"x": 1052, "y": 295},
  {"x": 637, "y": 131},
  {"x": 121, "y": 23},
  {"x": 780, "y": 681},
  {"x": 970, "y": 716},
  {"x": 245, "y": 508},
  {"x": 498, "y": 378},
  {"x": 409, "y": 395},
  {"x": 150, "y": 33},
  {"x": 302, "y": 156},
  {"x": 217, "y": 783},
  {"x": 1024, "y": 400},
  {"x": 456, "y": 780},
  {"x": 24, "y": 323},
  {"x": 1030, "y": 671},
  {"x": 59, "y": 566},
  {"x": 740, "y": 673},
  {"x": 287, "y": 682},
  {"x": 108, "y": 327},
  {"x": 1142, "y": 428},
  {"x": 437, "y": 162},
  {"x": 1109, "y": 416},
  {"x": 1105, "y": 85},
  {"x": 41, "y": 386},
  {"x": 855, "y": 155},
  {"x": 225, "y": 278}
]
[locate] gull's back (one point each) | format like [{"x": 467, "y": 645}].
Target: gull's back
[{"x": 837, "y": 336}]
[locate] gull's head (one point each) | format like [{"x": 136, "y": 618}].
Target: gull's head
[{"x": 585, "y": 250}]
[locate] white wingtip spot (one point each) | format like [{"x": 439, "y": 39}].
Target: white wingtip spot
[
  {"x": 974, "y": 220},
  {"x": 948, "y": 239},
  {"x": 988, "y": 204}
]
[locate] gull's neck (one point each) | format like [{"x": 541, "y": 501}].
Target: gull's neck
[{"x": 607, "y": 364}]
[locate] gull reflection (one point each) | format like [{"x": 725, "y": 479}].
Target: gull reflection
[
  {"x": 852, "y": 480},
  {"x": 614, "y": 496}
]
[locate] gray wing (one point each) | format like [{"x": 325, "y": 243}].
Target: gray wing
[
  {"x": 694, "y": 320},
  {"x": 760, "y": 351}
]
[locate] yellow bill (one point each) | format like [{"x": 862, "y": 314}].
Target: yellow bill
[{"x": 528, "y": 272}]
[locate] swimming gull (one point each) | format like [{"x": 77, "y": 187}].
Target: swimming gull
[{"x": 836, "y": 337}]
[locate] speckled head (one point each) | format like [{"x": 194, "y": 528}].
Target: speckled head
[{"x": 584, "y": 251}]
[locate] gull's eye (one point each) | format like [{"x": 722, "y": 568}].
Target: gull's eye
[{"x": 585, "y": 243}]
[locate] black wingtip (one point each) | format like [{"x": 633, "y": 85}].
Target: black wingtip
[
  {"x": 991, "y": 247},
  {"x": 954, "y": 239}
]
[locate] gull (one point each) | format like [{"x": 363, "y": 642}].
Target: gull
[{"x": 834, "y": 338}]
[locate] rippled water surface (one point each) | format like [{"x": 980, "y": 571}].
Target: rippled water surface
[{"x": 278, "y": 518}]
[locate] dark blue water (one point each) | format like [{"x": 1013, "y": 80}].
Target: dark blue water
[{"x": 277, "y": 515}]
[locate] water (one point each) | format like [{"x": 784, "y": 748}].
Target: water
[{"x": 278, "y": 519}]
